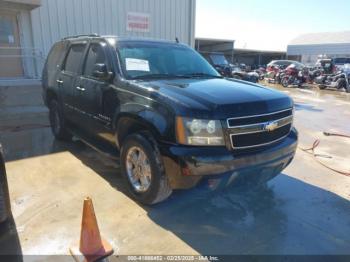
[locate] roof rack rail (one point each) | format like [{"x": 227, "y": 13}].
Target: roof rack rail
[{"x": 77, "y": 36}]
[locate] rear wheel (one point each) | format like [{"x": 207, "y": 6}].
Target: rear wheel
[
  {"x": 143, "y": 168},
  {"x": 57, "y": 121},
  {"x": 342, "y": 84}
]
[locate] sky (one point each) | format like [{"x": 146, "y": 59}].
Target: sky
[{"x": 269, "y": 24}]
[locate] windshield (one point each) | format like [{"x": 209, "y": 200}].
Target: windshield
[
  {"x": 297, "y": 65},
  {"x": 219, "y": 59},
  {"x": 142, "y": 60}
]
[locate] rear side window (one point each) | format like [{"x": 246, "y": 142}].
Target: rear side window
[
  {"x": 74, "y": 58},
  {"x": 54, "y": 60},
  {"x": 96, "y": 55}
]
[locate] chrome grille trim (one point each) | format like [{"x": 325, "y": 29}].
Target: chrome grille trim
[
  {"x": 259, "y": 127},
  {"x": 281, "y": 123},
  {"x": 267, "y": 114}
]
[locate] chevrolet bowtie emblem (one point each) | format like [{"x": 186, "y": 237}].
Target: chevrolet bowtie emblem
[{"x": 270, "y": 126}]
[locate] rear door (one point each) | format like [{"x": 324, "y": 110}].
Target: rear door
[{"x": 66, "y": 79}]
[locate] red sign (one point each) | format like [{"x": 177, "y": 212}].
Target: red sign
[{"x": 137, "y": 22}]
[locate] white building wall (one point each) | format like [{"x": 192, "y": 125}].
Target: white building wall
[
  {"x": 56, "y": 19},
  {"x": 331, "y": 49},
  {"x": 310, "y": 53}
]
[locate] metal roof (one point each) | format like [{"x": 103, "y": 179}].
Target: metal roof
[
  {"x": 322, "y": 38},
  {"x": 248, "y": 51}
]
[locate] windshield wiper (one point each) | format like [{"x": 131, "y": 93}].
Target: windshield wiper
[
  {"x": 158, "y": 76},
  {"x": 202, "y": 75}
]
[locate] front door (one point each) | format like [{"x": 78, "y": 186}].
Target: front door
[
  {"x": 93, "y": 92},
  {"x": 10, "y": 48}
]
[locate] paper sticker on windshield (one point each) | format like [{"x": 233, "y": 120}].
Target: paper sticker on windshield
[{"x": 133, "y": 64}]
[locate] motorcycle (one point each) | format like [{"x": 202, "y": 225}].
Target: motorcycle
[
  {"x": 279, "y": 76},
  {"x": 314, "y": 73},
  {"x": 294, "y": 75},
  {"x": 340, "y": 80},
  {"x": 261, "y": 71},
  {"x": 274, "y": 72}
]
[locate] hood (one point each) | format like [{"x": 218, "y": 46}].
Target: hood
[{"x": 219, "y": 98}]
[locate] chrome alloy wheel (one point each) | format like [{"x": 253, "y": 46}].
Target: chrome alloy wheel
[{"x": 138, "y": 169}]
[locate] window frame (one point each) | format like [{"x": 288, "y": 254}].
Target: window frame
[
  {"x": 69, "y": 48},
  {"x": 108, "y": 63}
]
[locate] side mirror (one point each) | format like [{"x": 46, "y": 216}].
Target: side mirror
[{"x": 100, "y": 71}]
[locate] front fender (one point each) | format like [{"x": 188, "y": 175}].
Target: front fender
[{"x": 158, "y": 120}]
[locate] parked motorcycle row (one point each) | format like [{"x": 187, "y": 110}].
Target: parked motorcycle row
[{"x": 325, "y": 74}]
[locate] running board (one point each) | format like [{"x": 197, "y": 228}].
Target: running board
[{"x": 97, "y": 144}]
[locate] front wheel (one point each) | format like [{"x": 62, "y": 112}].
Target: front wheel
[
  {"x": 143, "y": 168},
  {"x": 285, "y": 82}
]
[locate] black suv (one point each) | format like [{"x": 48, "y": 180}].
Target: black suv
[{"x": 165, "y": 111}]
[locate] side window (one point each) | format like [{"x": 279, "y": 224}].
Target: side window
[
  {"x": 96, "y": 55},
  {"x": 74, "y": 57},
  {"x": 54, "y": 59}
]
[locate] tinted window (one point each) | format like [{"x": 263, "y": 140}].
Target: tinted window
[
  {"x": 74, "y": 57},
  {"x": 55, "y": 56},
  {"x": 140, "y": 59},
  {"x": 96, "y": 55}
]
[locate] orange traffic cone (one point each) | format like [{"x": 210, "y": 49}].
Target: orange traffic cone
[{"x": 92, "y": 247}]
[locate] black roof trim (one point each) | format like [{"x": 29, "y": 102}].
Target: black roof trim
[{"x": 77, "y": 36}]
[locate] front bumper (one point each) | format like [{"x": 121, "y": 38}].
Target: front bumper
[{"x": 186, "y": 166}]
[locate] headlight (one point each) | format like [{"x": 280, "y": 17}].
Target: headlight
[{"x": 199, "y": 132}]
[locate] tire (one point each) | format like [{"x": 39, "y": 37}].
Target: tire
[
  {"x": 342, "y": 84},
  {"x": 278, "y": 79},
  {"x": 322, "y": 87},
  {"x": 158, "y": 188},
  {"x": 284, "y": 82},
  {"x": 57, "y": 121}
]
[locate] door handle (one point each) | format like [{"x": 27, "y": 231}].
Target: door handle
[
  {"x": 59, "y": 81},
  {"x": 80, "y": 88}
]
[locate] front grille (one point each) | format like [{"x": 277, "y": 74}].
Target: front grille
[{"x": 259, "y": 130}]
